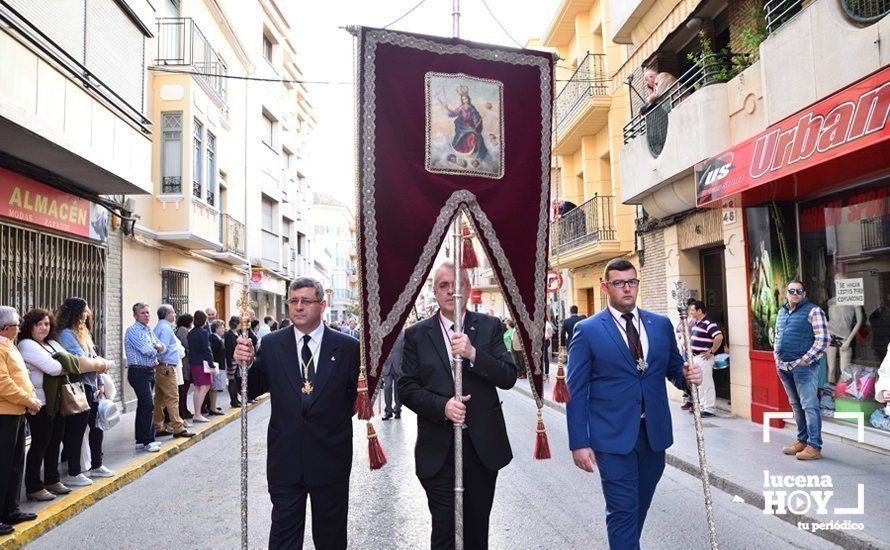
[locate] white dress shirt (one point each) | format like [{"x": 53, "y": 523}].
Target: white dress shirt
[
  {"x": 637, "y": 321},
  {"x": 447, "y": 327},
  {"x": 314, "y": 344}
]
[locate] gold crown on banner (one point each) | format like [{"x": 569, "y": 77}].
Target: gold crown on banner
[{"x": 463, "y": 90}]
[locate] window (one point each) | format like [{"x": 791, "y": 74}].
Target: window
[
  {"x": 267, "y": 48},
  {"x": 175, "y": 289},
  {"x": 171, "y": 153},
  {"x": 197, "y": 165},
  {"x": 211, "y": 169},
  {"x": 268, "y": 214},
  {"x": 268, "y": 130}
]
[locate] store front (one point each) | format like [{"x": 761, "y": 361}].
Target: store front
[
  {"x": 813, "y": 192},
  {"x": 53, "y": 245}
]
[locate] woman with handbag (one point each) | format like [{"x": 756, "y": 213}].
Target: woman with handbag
[
  {"x": 75, "y": 321},
  {"x": 218, "y": 348},
  {"x": 183, "y": 326},
  {"x": 201, "y": 362},
  {"x": 49, "y": 378}
]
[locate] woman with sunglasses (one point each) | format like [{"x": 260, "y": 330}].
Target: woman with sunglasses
[{"x": 75, "y": 319}]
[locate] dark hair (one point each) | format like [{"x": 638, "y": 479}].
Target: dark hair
[
  {"x": 70, "y": 313},
  {"x": 268, "y": 318},
  {"x": 617, "y": 264},
  {"x": 284, "y": 323},
  {"x": 690, "y": 301},
  {"x": 254, "y": 324},
  {"x": 30, "y": 320},
  {"x": 274, "y": 326},
  {"x": 307, "y": 282},
  {"x": 573, "y": 309},
  {"x": 185, "y": 320},
  {"x": 509, "y": 323},
  {"x": 200, "y": 318},
  {"x": 699, "y": 305},
  {"x": 234, "y": 321},
  {"x": 164, "y": 310},
  {"x": 797, "y": 281}
]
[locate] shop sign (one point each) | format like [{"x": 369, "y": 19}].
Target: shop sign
[
  {"x": 849, "y": 292},
  {"x": 31, "y": 202},
  {"x": 256, "y": 278},
  {"x": 849, "y": 120},
  {"x": 475, "y": 296}
]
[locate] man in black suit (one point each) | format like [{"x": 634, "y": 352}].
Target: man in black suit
[
  {"x": 311, "y": 372},
  {"x": 568, "y": 327},
  {"x": 427, "y": 388}
]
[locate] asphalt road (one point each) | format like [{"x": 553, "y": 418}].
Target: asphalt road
[{"x": 192, "y": 500}]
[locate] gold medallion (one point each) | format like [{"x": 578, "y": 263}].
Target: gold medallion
[{"x": 307, "y": 387}]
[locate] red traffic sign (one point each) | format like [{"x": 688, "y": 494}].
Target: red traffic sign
[{"x": 554, "y": 280}]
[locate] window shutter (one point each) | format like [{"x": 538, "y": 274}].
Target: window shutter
[
  {"x": 60, "y": 20},
  {"x": 116, "y": 51}
]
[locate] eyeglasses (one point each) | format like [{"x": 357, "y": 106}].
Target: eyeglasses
[
  {"x": 7, "y": 326},
  {"x": 304, "y": 301},
  {"x": 798, "y": 291},
  {"x": 632, "y": 283}
]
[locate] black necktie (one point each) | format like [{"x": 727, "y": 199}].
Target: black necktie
[
  {"x": 633, "y": 336},
  {"x": 307, "y": 359}
]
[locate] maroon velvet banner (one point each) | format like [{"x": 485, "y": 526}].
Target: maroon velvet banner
[{"x": 443, "y": 125}]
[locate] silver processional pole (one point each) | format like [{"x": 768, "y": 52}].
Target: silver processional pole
[
  {"x": 244, "y": 305},
  {"x": 682, "y": 295},
  {"x": 456, "y": 366}
]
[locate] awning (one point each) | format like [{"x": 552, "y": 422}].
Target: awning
[{"x": 851, "y": 124}]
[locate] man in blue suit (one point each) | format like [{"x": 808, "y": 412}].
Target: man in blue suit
[{"x": 618, "y": 418}]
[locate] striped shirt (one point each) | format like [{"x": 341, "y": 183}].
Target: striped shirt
[{"x": 702, "y": 336}]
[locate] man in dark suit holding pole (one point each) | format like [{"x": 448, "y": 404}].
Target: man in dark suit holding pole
[
  {"x": 427, "y": 388},
  {"x": 312, "y": 373}
]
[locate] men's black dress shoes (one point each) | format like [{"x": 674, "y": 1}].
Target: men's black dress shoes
[
  {"x": 398, "y": 415},
  {"x": 387, "y": 416},
  {"x": 184, "y": 433},
  {"x": 19, "y": 517},
  {"x": 6, "y": 529},
  {"x": 164, "y": 433}
]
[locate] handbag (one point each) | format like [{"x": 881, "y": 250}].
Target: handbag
[{"x": 74, "y": 398}]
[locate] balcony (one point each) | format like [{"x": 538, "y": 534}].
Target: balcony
[
  {"x": 585, "y": 234},
  {"x": 626, "y": 14},
  {"x": 582, "y": 106},
  {"x": 181, "y": 42},
  {"x": 196, "y": 227},
  {"x": 233, "y": 239},
  {"x": 803, "y": 60}
]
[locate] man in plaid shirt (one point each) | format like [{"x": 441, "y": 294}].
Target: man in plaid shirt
[{"x": 801, "y": 340}]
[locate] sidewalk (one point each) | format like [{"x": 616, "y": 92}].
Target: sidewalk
[
  {"x": 119, "y": 454},
  {"x": 738, "y": 459}
]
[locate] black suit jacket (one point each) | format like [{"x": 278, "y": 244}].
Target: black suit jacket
[
  {"x": 427, "y": 384},
  {"x": 568, "y": 328},
  {"x": 309, "y": 440}
]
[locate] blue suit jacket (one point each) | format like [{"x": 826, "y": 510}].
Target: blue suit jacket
[{"x": 608, "y": 392}]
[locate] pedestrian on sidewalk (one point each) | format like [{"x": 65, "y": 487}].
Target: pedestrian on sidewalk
[
  {"x": 183, "y": 325},
  {"x": 425, "y": 387},
  {"x": 312, "y": 374},
  {"x": 75, "y": 320},
  {"x": 518, "y": 354},
  {"x": 621, "y": 424},
  {"x": 142, "y": 348},
  {"x": 219, "y": 380},
  {"x": 166, "y": 396},
  {"x": 233, "y": 370},
  {"x": 17, "y": 396},
  {"x": 801, "y": 340},
  {"x": 568, "y": 326},
  {"x": 392, "y": 371},
  {"x": 201, "y": 359},
  {"x": 705, "y": 340},
  {"x": 40, "y": 352},
  {"x": 681, "y": 343},
  {"x": 265, "y": 327}
]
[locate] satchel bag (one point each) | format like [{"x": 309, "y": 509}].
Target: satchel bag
[{"x": 74, "y": 398}]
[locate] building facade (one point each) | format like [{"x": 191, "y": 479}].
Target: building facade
[
  {"x": 75, "y": 138},
  {"x": 742, "y": 191},
  {"x": 334, "y": 234},
  {"x": 591, "y": 224}
]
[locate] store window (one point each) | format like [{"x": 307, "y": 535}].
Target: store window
[{"x": 773, "y": 262}]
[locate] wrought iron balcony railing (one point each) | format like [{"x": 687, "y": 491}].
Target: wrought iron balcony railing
[
  {"x": 653, "y": 121},
  {"x": 232, "y": 236},
  {"x": 588, "y": 223},
  {"x": 588, "y": 80},
  {"x": 865, "y": 11},
  {"x": 181, "y": 42}
]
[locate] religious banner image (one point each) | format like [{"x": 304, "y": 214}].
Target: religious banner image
[{"x": 464, "y": 125}]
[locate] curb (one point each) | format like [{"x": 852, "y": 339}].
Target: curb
[
  {"x": 752, "y": 498},
  {"x": 78, "y": 501}
]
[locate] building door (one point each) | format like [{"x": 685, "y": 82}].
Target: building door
[
  {"x": 714, "y": 297},
  {"x": 591, "y": 302},
  {"x": 219, "y": 302}
]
